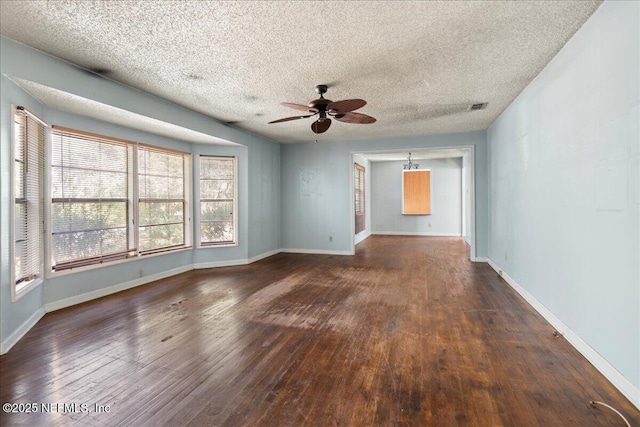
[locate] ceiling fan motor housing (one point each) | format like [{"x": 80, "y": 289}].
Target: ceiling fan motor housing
[{"x": 320, "y": 105}]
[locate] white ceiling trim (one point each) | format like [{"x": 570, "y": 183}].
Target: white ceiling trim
[{"x": 417, "y": 154}]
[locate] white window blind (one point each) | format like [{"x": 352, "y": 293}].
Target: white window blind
[
  {"x": 92, "y": 193},
  {"x": 28, "y": 198},
  {"x": 217, "y": 200},
  {"x": 359, "y": 189},
  {"x": 161, "y": 177},
  {"x": 113, "y": 199},
  {"x": 359, "y": 192}
]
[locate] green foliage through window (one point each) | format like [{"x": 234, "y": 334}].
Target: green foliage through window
[
  {"x": 95, "y": 214},
  {"x": 217, "y": 200}
]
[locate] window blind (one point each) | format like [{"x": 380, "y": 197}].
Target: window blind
[
  {"x": 217, "y": 200},
  {"x": 28, "y": 199},
  {"x": 359, "y": 189},
  {"x": 91, "y": 208},
  {"x": 161, "y": 178}
]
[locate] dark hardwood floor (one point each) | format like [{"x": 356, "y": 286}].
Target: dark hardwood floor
[{"x": 408, "y": 332}]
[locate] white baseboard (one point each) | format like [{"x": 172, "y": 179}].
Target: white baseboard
[
  {"x": 79, "y": 299},
  {"x": 361, "y": 237},
  {"x": 480, "y": 259},
  {"x": 315, "y": 251},
  {"x": 21, "y": 331},
  {"x": 619, "y": 381},
  {"x": 263, "y": 256},
  {"x": 414, "y": 233},
  {"x": 216, "y": 264},
  {"x": 235, "y": 262}
]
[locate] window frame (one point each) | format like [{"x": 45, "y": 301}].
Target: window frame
[
  {"x": 134, "y": 220},
  {"x": 186, "y": 209},
  {"x": 131, "y": 250},
  {"x": 198, "y": 207},
  {"x": 18, "y": 292},
  {"x": 359, "y": 176},
  {"x": 359, "y": 195}
]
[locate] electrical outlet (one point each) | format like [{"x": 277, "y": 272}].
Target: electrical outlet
[
  {"x": 140, "y": 273},
  {"x": 506, "y": 257},
  {"x": 331, "y": 238}
]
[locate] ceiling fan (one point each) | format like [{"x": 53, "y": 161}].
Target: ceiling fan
[{"x": 325, "y": 108}]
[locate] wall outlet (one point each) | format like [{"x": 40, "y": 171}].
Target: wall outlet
[
  {"x": 506, "y": 257},
  {"x": 331, "y": 238},
  {"x": 140, "y": 273}
]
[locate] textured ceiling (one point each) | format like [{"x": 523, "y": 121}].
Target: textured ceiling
[{"x": 419, "y": 65}]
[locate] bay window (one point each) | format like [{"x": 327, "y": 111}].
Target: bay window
[{"x": 113, "y": 199}]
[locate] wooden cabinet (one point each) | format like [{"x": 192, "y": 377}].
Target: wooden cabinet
[{"x": 416, "y": 192}]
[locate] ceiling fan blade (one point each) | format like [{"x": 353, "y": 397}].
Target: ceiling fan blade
[
  {"x": 346, "y": 105},
  {"x": 300, "y": 107},
  {"x": 358, "y": 118},
  {"x": 287, "y": 119},
  {"x": 319, "y": 127}
]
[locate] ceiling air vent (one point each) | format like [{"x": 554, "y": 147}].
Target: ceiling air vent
[{"x": 480, "y": 106}]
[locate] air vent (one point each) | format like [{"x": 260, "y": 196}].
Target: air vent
[
  {"x": 480, "y": 106},
  {"x": 99, "y": 70}
]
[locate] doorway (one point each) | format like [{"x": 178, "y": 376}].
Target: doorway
[{"x": 371, "y": 162}]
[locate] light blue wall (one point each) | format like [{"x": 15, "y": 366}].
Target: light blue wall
[
  {"x": 258, "y": 166},
  {"x": 446, "y": 199},
  {"x": 564, "y": 196},
  {"x": 307, "y": 223},
  {"x": 264, "y": 199}
]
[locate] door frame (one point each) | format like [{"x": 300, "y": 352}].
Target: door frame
[{"x": 472, "y": 175}]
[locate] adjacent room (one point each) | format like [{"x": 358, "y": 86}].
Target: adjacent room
[{"x": 359, "y": 213}]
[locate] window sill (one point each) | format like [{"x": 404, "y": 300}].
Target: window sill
[
  {"x": 25, "y": 288},
  {"x": 218, "y": 245},
  {"x": 53, "y": 274}
]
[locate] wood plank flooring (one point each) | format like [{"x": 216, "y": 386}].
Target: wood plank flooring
[{"x": 407, "y": 332}]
